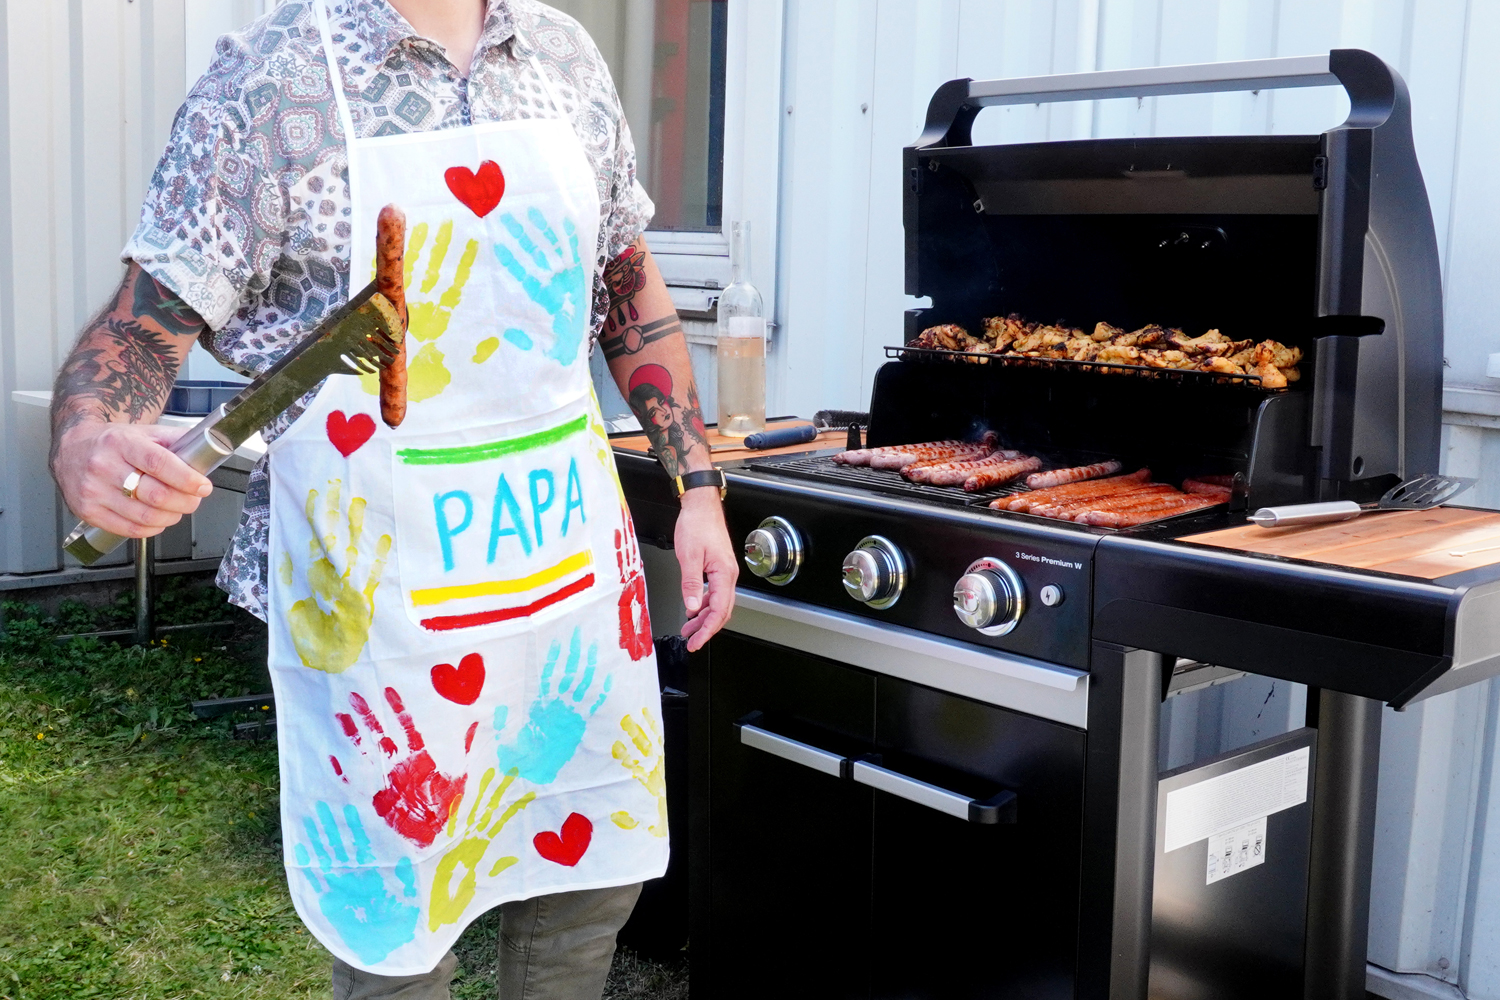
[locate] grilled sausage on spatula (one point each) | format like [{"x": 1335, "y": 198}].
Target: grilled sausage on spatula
[{"x": 390, "y": 281}]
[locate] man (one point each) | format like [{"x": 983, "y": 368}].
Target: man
[{"x": 458, "y": 638}]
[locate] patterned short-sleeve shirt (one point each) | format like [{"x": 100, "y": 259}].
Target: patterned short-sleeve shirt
[{"x": 247, "y": 215}]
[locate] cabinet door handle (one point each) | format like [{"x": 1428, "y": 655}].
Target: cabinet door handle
[
  {"x": 792, "y": 750},
  {"x": 1000, "y": 808}
]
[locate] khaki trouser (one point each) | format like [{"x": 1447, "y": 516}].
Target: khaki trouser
[{"x": 556, "y": 947}]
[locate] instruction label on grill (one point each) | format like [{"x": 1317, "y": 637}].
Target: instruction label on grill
[
  {"x": 1233, "y": 800},
  {"x": 1238, "y": 850}
]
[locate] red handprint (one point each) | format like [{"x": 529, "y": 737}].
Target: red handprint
[
  {"x": 635, "y": 621},
  {"x": 417, "y": 797}
]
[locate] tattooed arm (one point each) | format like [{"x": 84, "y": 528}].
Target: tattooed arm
[
  {"x": 647, "y": 355},
  {"x": 117, "y": 378}
]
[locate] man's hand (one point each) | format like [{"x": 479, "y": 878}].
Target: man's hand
[
  {"x": 109, "y": 390},
  {"x": 92, "y": 460},
  {"x": 703, "y": 548}
]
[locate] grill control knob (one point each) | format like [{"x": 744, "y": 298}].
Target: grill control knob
[
  {"x": 773, "y": 551},
  {"x": 989, "y": 597},
  {"x": 875, "y": 572}
]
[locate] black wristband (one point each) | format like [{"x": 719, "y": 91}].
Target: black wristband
[{"x": 705, "y": 477}]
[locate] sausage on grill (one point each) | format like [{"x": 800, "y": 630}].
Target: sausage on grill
[
  {"x": 1002, "y": 473},
  {"x": 1140, "y": 515},
  {"x": 920, "y": 453},
  {"x": 933, "y": 470},
  {"x": 1072, "y": 491},
  {"x": 862, "y": 456},
  {"x": 1208, "y": 486},
  {"x": 1079, "y": 473},
  {"x": 1067, "y": 508}
]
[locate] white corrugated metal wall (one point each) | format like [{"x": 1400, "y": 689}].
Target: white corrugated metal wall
[{"x": 857, "y": 76}]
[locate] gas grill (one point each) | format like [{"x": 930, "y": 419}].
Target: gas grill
[{"x": 893, "y": 795}]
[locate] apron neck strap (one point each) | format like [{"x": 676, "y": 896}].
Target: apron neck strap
[
  {"x": 335, "y": 75},
  {"x": 536, "y": 67}
]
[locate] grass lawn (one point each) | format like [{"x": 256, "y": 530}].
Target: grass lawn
[{"x": 142, "y": 848}]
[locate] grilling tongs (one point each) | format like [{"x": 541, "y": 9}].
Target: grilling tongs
[
  {"x": 360, "y": 338},
  {"x": 1421, "y": 493}
]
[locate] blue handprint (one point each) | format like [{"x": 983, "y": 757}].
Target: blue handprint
[
  {"x": 554, "y": 728},
  {"x": 371, "y": 920},
  {"x": 563, "y": 295}
]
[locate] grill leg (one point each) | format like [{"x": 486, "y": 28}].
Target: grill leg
[
  {"x": 1343, "y": 847},
  {"x": 145, "y": 609}
]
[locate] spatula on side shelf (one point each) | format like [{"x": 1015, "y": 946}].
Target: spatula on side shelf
[{"x": 1421, "y": 493}]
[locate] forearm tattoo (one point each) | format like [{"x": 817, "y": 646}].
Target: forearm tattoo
[
  {"x": 624, "y": 276},
  {"x": 632, "y": 338},
  {"x": 126, "y": 359},
  {"x": 674, "y": 428}
]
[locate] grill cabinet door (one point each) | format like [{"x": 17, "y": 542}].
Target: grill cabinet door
[
  {"x": 788, "y": 911},
  {"x": 964, "y": 910}
]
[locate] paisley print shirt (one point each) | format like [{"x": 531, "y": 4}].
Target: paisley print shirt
[{"x": 247, "y": 215}]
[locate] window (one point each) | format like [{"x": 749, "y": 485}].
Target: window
[{"x": 667, "y": 60}]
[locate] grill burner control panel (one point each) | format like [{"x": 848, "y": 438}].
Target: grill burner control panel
[{"x": 991, "y": 581}]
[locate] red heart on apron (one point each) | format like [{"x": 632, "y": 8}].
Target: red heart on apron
[
  {"x": 462, "y": 683},
  {"x": 480, "y": 191},
  {"x": 349, "y": 433},
  {"x": 577, "y": 831}
]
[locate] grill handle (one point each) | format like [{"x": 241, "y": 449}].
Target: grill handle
[
  {"x": 1368, "y": 80},
  {"x": 867, "y": 770},
  {"x": 1000, "y": 808}
]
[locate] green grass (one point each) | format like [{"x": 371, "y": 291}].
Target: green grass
[{"x": 142, "y": 848}]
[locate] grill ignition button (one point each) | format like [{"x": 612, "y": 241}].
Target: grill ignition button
[
  {"x": 875, "y": 572},
  {"x": 773, "y": 551},
  {"x": 989, "y": 597}
]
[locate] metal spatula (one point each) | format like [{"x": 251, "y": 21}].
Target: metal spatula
[{"x": 1421, "y": 493}]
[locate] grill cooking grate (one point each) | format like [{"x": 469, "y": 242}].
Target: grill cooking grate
[
  {"x": 824, "y": 469},
  {"x": 1179, "y": 375}
]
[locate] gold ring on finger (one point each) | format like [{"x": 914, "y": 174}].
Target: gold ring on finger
[{"x": 131, "y": 484}]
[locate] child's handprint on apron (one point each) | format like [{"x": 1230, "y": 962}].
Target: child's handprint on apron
[
  {"x": 448, "y": 900},
  {"x": 649, "y": 768},
  {"x": 635, "y": 622},
  {"x": 330, "y": 627},
  {"x": 417, "y": 798},
  {"x": 554, "y": 728},
  {"x": 559, "y": 289},
  {"x": 370, "y": 916},
  {"x": 427, "y": 373}
]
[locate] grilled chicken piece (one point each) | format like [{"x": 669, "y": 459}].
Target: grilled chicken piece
[
  {"x": 1082, "y": 348},
  {"x": 1119, "y": 355},
  {"x": 1146, "y": 336},
  {"x": 1243, "y": 358},
  {"x": 1166, "y": 359},
  {"x": 1291, "y": 374},
  {"x": 1104, "y": 332},
  {"x": 1277, "y": 353},
  {"x": 1211, "y": 343},
  {"x": 1224, "y": 366},
  {"x": 1266, "y": 353},
  {"x": 1004, "y": 331}
]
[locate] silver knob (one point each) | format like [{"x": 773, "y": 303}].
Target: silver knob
[
  {"x": 989, "y": 597},
  {"x": 773, "y": 551},
  {"x": 875, "y": 572}
]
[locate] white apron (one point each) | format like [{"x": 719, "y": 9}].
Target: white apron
[{"x": 465, "y": 684}]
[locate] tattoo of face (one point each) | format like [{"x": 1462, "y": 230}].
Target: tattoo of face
[
  {"x": 624, "y": 276},
  {"x": 155, "y": 302},
  {"x": 633, "y": 338},
  {"x": 673, "y": 429},
  {"x": 127, "y": 373}
]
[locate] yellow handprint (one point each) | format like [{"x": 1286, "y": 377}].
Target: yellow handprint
[
  {"x": 426, "y": 373},
  {"x": 330, "y": 628},
  {"x": 653, "y": 776},
  {"x": 448, "y": 902},
  {"x": 602, "y": 450}
]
